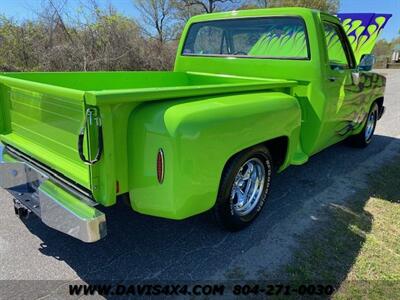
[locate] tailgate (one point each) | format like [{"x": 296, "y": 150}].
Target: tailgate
[{"x": 44, "y": 122}]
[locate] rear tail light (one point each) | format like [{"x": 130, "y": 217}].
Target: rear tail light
[{"x": 160, "y": 166}]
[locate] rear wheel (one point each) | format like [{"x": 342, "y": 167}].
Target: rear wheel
[
  {"x": 364, "y": 138},
  {"x": 244, "y": 187}
]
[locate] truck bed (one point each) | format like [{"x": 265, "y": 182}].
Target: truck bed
[
  {"x": 42, "y": 115},
  {"x": 117, "y": 87}
]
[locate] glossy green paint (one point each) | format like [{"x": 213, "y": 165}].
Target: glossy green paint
[
  {"x": 321, "y": 110},
  {"x": 198, "y": 137},
  {"x": 43, "y": 121},
  {"x": 201, "y": 114},
  {"x": 46, "y": 113}
]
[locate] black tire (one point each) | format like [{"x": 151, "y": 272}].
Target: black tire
[
  {"x": 224, "y": 209},
  {"x": 363, "y": 139}
]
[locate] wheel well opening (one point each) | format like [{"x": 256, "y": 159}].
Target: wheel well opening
[
  {"x": 379, "y": 101},
  {"x": 278, "y": 149}
]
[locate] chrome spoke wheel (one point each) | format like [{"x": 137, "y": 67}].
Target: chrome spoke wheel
[
  {"x": 370, "y": 126},
  {"x": 248, "y": 186}
]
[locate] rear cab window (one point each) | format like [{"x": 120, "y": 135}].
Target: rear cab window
[{"x": 266, "y": 37}]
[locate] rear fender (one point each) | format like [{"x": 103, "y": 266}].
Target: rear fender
[{"x": 198, "y": 138}]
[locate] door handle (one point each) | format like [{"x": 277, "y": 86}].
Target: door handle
[
  {"x": 89, "y": 118},
  {"x": 332, "y": 79}
]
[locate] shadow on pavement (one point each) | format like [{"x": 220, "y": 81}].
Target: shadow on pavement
[
  {"x": 352, "y": 246},
  {"x": 141, "y": 247}
]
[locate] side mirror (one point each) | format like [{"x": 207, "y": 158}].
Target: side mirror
[{"x": 366, "y": 63}]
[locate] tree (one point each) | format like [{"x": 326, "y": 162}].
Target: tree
[
  {"x": 207, "y": 6},
  {"x": 156, "y": 18},
  {"x": 384, "y": 48},
  {"x": 330, "y": 6},
  {"x": 93, "y": 37},
  {"x": 183, "y": 12}
]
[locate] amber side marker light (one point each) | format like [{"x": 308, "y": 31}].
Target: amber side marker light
[{"x": 160, "y": 166}]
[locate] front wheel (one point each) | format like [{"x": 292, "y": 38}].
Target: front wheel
[
  {"x": 364, "y": 138},
  {"x": 244, "y": 187}
]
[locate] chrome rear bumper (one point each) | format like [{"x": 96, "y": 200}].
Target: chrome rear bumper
[{"x": 35, "y": 191}]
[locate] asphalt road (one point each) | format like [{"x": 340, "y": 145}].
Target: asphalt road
[{"x": 139, "y": 247}]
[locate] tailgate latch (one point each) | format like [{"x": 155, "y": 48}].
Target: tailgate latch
[{"x": 92, "y": 116}]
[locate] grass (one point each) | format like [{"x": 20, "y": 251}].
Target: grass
[{"x": 356, "y": 245}]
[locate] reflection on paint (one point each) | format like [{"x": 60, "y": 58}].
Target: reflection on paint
[
  {"x": 288, "y": 41},
  {"x": 367, "y": 81},
  {"x": 335, "y": 49}
]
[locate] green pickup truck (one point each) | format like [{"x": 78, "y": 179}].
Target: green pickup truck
[{"x": 252, "y": 93}]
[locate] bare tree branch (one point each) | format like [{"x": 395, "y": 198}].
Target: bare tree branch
[
  {"x": 208, "y": 6},
  {"x": 156, "y": 14}
]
